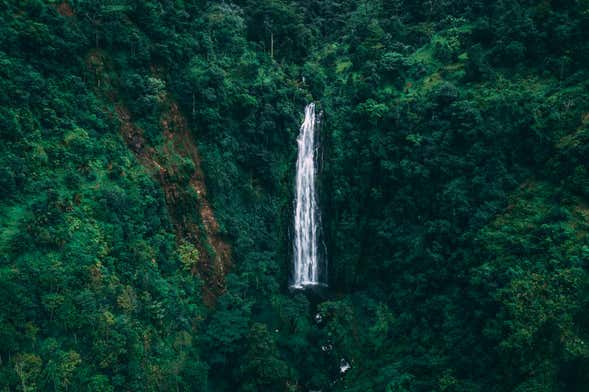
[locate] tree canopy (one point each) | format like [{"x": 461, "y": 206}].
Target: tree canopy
[{"x": 147, "y": 162}]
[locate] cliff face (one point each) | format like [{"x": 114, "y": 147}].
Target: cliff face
[
  {"x": 175, "y": 164},
  {"x": 204, "y": 233}
]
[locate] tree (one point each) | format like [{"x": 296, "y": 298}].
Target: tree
[
  {"x": 189, "y": 257},
  {"x": 262, "y": 367},
  {"x": 28, "y": 368}
]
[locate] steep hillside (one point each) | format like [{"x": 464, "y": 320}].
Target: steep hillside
[
  {"x": 176, "y": 164},
  {"x": 147, "y": 163}
]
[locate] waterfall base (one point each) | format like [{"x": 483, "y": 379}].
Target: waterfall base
[{"x": 306, "y": 285}]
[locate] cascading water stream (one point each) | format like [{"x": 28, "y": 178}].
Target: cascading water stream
[{"x": 308, "y": 270}]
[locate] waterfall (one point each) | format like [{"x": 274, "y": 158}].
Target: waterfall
[{"x": 308, "y": 268}]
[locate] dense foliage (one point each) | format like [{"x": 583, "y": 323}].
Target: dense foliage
[{"x": 454, "y": 191}]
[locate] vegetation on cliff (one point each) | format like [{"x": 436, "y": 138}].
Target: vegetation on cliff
[{"x": 146, "y": 181}]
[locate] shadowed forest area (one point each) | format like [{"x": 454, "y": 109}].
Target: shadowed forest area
[{"x": 147, "y": 165}]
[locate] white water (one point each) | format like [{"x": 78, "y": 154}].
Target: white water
[
  {"x": 344, "y": 366},
  {"x": 307, "y": 270}
]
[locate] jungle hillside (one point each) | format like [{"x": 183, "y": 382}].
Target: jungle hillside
[{"x": 149, "y": 193}]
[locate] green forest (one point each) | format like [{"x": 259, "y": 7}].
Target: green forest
[{"x": 147, "y": 184}]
